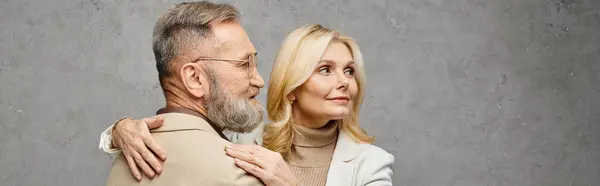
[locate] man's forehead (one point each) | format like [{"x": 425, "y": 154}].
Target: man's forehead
[
  {"x": 239, "y": 49},
  {"x": 232, "y": 37}
]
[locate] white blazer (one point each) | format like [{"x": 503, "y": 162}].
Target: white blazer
[{"x": 359, "y": 164}]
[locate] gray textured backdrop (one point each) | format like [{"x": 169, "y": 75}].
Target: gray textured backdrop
[{"x": 462, "y": 92}]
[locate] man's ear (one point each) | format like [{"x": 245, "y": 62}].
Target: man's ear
[{"x": 194, "y": 79}]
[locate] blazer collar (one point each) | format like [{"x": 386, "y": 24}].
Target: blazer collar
[
  {"x": 190, "y": 125},
  {"x": 342, "y": 167},
  {"x": 347, "y": 149},
  {"x": 179, "y": 122}
]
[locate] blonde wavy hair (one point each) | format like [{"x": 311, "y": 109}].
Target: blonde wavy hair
[{"x": 294, "y": 64}]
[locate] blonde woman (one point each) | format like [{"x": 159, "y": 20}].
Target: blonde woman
[{"x": 314, "y": 96}]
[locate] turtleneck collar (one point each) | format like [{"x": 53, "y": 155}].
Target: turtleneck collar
[{"x": 307, "y": 137}]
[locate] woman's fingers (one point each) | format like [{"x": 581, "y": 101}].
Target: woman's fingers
[
  {"x": 247, "y": 155},
  {"x": 150, "y": 142},
  {"x": 153, "y": 122},
  {"x": 139, "y": 146},
  {"x": 133, "y": 167},
  {"x": 150, "y": 158},
  {"x": 252, "y": 149},
  {"x": 267, "y": 165},
  {"x": 142, "y": 164},
  {"x": 148, "y": 139},
  {"x": 251, "y": 168}
]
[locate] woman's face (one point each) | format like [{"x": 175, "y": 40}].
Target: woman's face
[{"x": 329, "y": 92}]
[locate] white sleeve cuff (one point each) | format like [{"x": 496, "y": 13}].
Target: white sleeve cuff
[{"x": 106, "y": 141}]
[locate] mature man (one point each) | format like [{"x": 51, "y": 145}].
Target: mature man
[{"x": 207, "y": 70}]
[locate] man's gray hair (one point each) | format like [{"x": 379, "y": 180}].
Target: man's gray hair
[{"x": 183, "y": 26}]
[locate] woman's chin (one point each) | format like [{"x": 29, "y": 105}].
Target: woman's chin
[{"x": 339, "y": 114}]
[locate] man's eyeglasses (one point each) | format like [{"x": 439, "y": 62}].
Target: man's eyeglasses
[{"x": 250, "y": 64}]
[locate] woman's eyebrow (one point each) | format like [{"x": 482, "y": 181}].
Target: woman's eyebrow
[{"x": 331, "y": 61}]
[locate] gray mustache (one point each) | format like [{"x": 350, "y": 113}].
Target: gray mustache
[{"x": 254, "y": 92}]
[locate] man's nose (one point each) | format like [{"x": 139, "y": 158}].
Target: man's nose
[{"x": 256, "y": 80}]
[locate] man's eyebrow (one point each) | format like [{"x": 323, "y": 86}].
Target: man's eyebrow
[
  {"x": 248, "y": 54},
  {"x": 245, "y": 57}
]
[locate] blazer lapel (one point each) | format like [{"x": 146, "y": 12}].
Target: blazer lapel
[{"x": 341, "y": 170}]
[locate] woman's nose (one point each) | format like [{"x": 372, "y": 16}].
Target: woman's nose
[{"x": 343, "y": 81}]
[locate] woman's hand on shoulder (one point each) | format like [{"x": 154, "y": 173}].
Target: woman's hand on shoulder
[{"x": 267, "y": 165}]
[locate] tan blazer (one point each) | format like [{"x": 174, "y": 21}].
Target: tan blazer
[{"x": 196, "y": 156}]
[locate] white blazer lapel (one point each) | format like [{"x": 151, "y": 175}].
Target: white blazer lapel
[{"x": 341, "y": 170}]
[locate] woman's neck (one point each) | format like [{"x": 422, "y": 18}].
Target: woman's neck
[{"x": 307, "y": 121}]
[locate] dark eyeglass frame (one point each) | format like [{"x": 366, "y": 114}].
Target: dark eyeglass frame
[{"x": 251, "y": 63}]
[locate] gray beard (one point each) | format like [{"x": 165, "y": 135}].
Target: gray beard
[{"x": 230, "y": 113}]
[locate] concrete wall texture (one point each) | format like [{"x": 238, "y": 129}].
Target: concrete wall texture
[{"x": 462, "y": 92}]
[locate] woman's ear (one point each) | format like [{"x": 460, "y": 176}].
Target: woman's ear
[
  {"x": 193, "y": 79},
  {"x": 291, "y": 96}
]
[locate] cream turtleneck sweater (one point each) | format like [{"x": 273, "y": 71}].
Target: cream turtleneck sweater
[{"x": 311, "y": 155}]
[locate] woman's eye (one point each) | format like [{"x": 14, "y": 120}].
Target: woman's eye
[
  {"x": 324, "y": 70},
  {"x": 349, "y": 72}
]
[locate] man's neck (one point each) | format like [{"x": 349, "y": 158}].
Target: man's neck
[
  {"x": 187, "y": 107},
  {"x": 176, "y": 99},
  {"x": 193, "y": 107}
]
